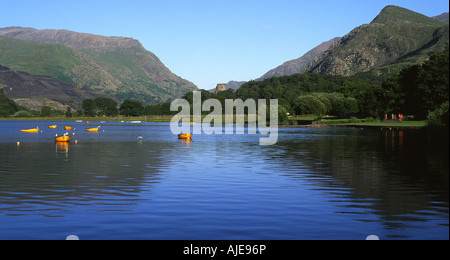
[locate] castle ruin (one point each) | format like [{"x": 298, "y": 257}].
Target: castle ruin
[{"x": 221, "y": 87}]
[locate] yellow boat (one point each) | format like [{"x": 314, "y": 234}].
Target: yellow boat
[
  {"x": 185, "y": 136},
  {"x": 62, "y": 139},
  {"x": 67, "y": 128},
  {"x": 52, "y": 126},
  {"x": 93, "y": 129},
  {"x": 34, "y": 130}
]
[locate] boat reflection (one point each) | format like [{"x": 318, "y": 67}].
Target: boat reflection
[
  {"x": 62, "y": 148},
  {"x": 186, "y": 141}
]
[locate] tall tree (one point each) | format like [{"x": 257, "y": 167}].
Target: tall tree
[
  {"x": 418, "y": 89},
  {"x": 89, "y": 107},
  {"x": 131, "y": 108},
  {"x": 106, "y": 106}
]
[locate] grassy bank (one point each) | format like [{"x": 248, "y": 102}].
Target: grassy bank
[
  {"x": 401, "y": 124},
  {"x": 367, "y": 122},
  {"x": 349, "y": 122}
]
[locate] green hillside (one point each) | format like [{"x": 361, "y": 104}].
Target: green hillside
[
  {"x": 396, "y": 38},
  {"x": 394, "y": 14},
  {"x": 117, "y": 66},
  {"x": 39, "y": 59},
  {"x": 7, "y": 106}
]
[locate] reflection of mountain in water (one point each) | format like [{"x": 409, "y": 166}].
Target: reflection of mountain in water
[
  {"x": 401, "y": 173},
  {"x": 76, "y": 174}
]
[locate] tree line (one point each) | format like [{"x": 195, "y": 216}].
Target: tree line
[
  {"x": 132, "y": 108},
  {"x": 419, "y": 91}
]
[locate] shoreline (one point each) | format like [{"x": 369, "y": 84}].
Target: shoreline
[
  {"x": 376, "y": 125},
  {"x": 389, "y": 127}
]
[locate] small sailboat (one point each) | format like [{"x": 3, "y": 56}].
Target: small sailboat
[
  {"x": 185, "y": 136},
  {"x": 33, "y": 130},
  {"x": 62, "y": 139}
]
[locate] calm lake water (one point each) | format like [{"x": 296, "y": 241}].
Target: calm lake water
[{"x": 315, "y": 183}]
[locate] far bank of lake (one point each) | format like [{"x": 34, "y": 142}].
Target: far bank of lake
[{"x": 168, "y": 118}]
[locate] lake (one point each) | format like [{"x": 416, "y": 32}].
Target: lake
[{"x": 315, "y": 183}]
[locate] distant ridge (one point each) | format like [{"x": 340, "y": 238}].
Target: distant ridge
[
  {"x": 70, "y": 38},
  {"x": 298, "y": 65},
  {"x": 442, "y": 18},
  {"x": 290, "y": 67}
]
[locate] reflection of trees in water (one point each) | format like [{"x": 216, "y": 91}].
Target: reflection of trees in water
[
  {"x": 56, "y": 176},
  {"x": 400, "y": 172}
]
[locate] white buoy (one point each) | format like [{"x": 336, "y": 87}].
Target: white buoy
[{"x": 72, "y": 237}]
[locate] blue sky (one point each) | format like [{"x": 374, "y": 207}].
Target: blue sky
[{"x": 211, "y": 41}]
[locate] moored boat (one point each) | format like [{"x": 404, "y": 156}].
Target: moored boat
[
  {"x": 67, "y": 128},
  {"x": 34, "y": 130},
  {"x": 185, "y": 136},
  {"x": 52, "y": 126},
  {"x": 92, "y": 129},
  {"x": 62, "y": 139}
]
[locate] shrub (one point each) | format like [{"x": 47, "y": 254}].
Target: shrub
[
  {"x": 22, "y": 113},
  {"x": 283, "y": 118},
  {"x": 439, "y": 117}
]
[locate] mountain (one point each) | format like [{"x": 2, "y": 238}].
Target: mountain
[
  {"x": 290, "y": 67},
  {"x": 117, "y": 66},
  {"x": 34, "y": 92},
  {"x": 397, "y": 37},
  {"x": 443, "y": 18},
  {"x": 235, "y": 84},
  {"x": 298, "y": 65}
]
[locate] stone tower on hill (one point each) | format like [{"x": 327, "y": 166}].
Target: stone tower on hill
[{"x": 221, "y": 87}]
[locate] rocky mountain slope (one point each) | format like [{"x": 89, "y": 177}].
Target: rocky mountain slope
[
  {"x": 290, "y": 67},
  {"x": 117, "y": 66},
  {"x": 395, "y": 38},
  {"x": 298, "y": 65},
  {"x": 442, "y": 17},
  {"x": 34, "y": 92}
]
